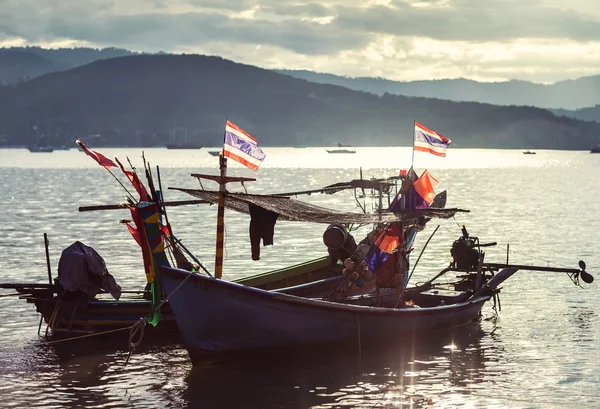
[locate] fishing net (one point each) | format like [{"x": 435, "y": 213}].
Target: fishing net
[{"x": 295, "y": 210}]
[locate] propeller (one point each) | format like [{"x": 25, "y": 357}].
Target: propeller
[{"x": 585, "y": 276}]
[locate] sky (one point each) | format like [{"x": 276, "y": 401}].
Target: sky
[{"x": 485, "y": 40}]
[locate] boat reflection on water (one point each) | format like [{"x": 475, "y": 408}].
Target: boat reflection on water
[
  {"x": 440, "y": 370},
  {"x": 412, "y": 372}
]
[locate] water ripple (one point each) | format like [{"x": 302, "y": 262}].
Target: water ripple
[{"x": 540, "y": 351}]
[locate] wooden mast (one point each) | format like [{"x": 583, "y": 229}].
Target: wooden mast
[
  {"x": 220, "y": 217},
  {"x": 222, "y": 180}
]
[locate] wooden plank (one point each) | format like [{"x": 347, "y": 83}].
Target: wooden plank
[
  {"x": 534, "y": 268},
  {"x": 126, "y": 206},
  {"x": 218, "y": 179},
  {"x": 34, "y": 286}
]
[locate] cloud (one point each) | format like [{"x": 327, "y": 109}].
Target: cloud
[
  {"x": 471, "y": 20},
  {"x": 543, "y": 40},
  {"x": 168, "y": 31}
]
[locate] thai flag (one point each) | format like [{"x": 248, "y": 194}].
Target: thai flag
[
  {"x": 241, "y": 147},
  {"x": 430, "y": 141}
]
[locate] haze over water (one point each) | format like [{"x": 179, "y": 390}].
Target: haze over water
[{"x": 540, "y": 351}]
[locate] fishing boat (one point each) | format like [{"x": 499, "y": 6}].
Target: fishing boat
[
  {"x": 217, "y": 317},
  {"x": 340, "y": 150},
  {"x": 40, "y": 148}
]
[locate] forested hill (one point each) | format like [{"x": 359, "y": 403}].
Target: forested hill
[
  {"x": 138, "y": 100},
  {"x": 569, "y": 94}
]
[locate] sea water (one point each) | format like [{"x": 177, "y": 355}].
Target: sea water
[{"x": 542, "y": 350}]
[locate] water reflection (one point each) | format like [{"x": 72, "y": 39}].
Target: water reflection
[
  {"x": 542, "y": 352},
  {"x": 412, "y": 373}
]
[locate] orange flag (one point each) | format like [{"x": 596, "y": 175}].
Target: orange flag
[
  {"x": 425, "y": 186},
  {"x": 390, "y": 238}
]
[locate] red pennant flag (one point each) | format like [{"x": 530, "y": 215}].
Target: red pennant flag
[
  {"x": 134, "y": 233},
  {"x": 136, "y": 182},
  {"x": 164, "y": 230},
  {"x": 97, "y": 156}
]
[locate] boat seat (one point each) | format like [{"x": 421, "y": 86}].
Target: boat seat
[{"x": 438, "y": 296}]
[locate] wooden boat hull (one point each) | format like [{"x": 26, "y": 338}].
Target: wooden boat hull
[
  {"x": 73, "y": 317},
  {"x": 315, "y": 277},
  {"x": 218, "y": 316}
]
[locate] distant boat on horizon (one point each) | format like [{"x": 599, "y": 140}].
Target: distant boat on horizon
[
  {"x": 595, "y": 149},
  {"x": 529, "y": 153},
  {"x": 41, "y": 148},
  {"x": 340, "y": 151},
  {"x": 214, "y": 153}
]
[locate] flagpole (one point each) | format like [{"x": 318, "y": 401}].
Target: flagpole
[
  {"x": 221, "y": 211},
  {"x": 412, "y": 162},
  {"x": 122, "y": 185}
]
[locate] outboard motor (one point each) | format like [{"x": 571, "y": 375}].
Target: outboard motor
[
  {"x": 465, "y": 252},
  {"x": 340, "y": 244}
]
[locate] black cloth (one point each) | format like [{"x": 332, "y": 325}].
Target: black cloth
[
  {"x": 262, "y": 226},
  {"x": 81, "y": 269}
]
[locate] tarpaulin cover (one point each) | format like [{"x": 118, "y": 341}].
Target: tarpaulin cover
[{"x": 81, "y": 268}]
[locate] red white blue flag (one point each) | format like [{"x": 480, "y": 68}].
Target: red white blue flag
[
  {"x": 241, "y": 147},
  {"x": 430, "y": 141}
]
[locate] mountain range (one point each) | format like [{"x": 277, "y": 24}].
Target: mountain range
[
  {"x": 579, "y": 98},
  {"x": 138, "y": 100},
  {"x": 566, "y": 95}
]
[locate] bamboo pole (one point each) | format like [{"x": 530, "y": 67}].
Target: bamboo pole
[
  {"x": 46, "y": 243},
  {"x": 220, "y": 217},
  {"x": 126, "y": 205}
]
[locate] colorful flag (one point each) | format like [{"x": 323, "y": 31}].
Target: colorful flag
[
  {"x": 425, "y": 186},
  {"x": 241, "y": 147},
  {"x": 407, "y": 187},
  {"x": 97, "y": 156},
  {"x": 430, "y": 141},
  {"x": 376, "y": 260},
  {"x": 389, "y": 239}
]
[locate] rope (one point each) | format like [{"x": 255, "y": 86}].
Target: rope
[
  {"x": 88, "y": 335},
  {"x": 137, "y": 327},
  {"x": 173, "y": 292}
]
